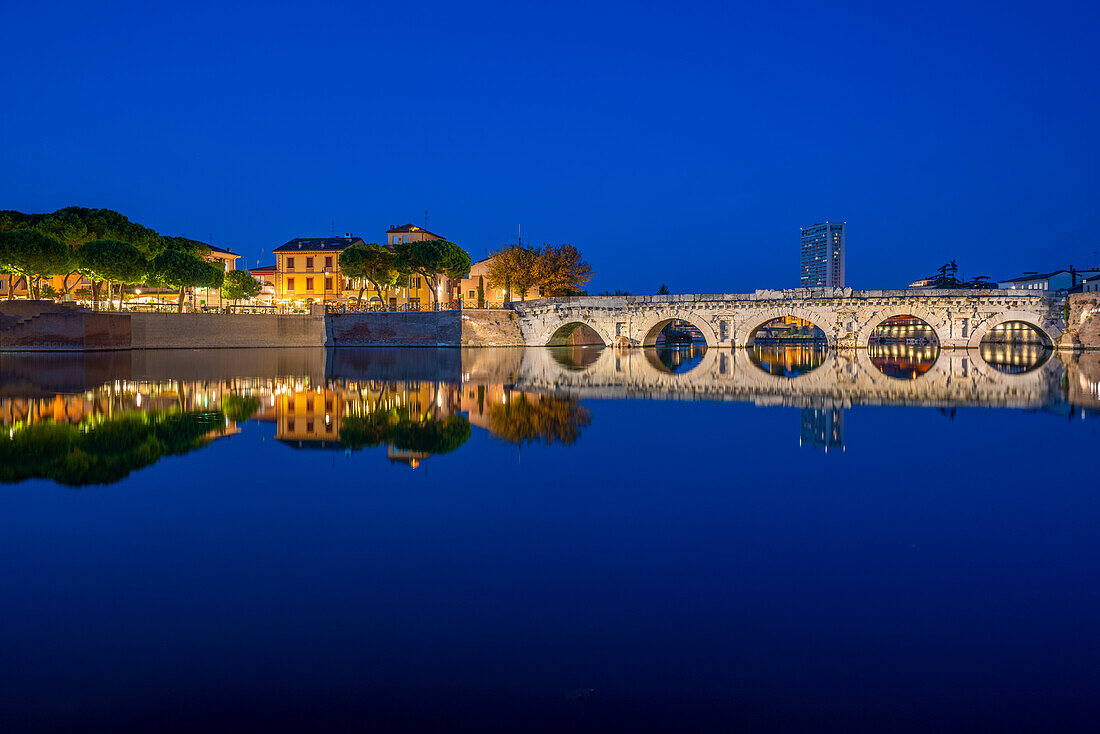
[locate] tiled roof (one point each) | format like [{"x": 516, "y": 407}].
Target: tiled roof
[
  {"x": 263, "y": 269},
  {"x": 1032, "y": 276},
  {"x": 222, "y": 250},
  {"x": 319, "y": 244},
  {"x": 411, "y": 228}
]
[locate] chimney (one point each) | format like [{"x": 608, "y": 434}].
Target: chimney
[{"x": 1072, "y": 277}]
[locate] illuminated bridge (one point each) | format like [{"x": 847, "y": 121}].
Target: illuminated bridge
[{"x": 960, "y": 319}]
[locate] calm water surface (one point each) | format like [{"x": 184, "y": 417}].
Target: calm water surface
[{"x": 779, "y": 539}]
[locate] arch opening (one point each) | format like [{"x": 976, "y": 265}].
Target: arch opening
[
  {"x": 575, "y": 334},
  {"x": 1015, "y": 347},
  {"x": 903, "y": 347},
  {"x": 674, "y": 346},
  {"x": 677, "y": 359},
  {"x": 575, "y": 346},
  {"x": 787, "y": 330},
  {"x": 787, "y": 346},
  {"x": 674, "y": 333}
]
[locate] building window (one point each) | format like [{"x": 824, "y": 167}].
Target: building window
[
  {"x": 473, "y": 294},
  {"x": 290, "y": 263},
  {"x": 290, "y": 425},
  {"x": 290, "y": 284},
  {"x": 309, "y": 284},
  {"x": 328, "y": 284},
  {"x": 309, "y": 263},
  {"x": 414, "y": 282},
  {"x": 328, "y": 261},
  {"x": 309, "y": 426},
  {"x": 405, "y": 239}
]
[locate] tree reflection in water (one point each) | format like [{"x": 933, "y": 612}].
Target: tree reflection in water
[
  {"x": 76, "y": 434},
  {"x": 787, "y": 360},
  {"x": 903, "y": 361},
  {"x": 105, "y": 450},
  {"x": 426, "y": 437},
  {"x": 527, "y": 419}
]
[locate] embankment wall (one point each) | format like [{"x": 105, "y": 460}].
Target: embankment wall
[
  {"x": 217, "y": 331},
  {"x": 47, "y": 326},
  {"x": 473, "y": 327}
]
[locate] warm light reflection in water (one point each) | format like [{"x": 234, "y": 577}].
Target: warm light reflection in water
[
  {"x": 412, "y": 419},
  {"x": 1015, "y": 359},
  {"x": 101, "y": 433},
  {"x": 787, "y": 360},
  {"x": 903, "y": 361}
]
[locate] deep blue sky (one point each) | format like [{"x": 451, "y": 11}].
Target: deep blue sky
[{"x": 678, "y": 143}]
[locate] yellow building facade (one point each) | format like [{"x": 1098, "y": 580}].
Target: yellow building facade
[{"x": 307, "y": 269}]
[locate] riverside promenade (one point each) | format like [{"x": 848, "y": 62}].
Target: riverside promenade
[
  {"x": 959, "y": 320},
  {"x": 49, "y": 326}
]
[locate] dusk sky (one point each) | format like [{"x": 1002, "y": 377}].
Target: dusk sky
[{"x": 672, "y": 143}]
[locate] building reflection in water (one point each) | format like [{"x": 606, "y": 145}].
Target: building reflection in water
[
  {"x": 904, "y": 329},
  {"x": 101, "y": 433},
  {"x": 787, "y": 360},
  {"x": 903, "y": 361},
  {"x": 1015, "y": 359},
  {"x": 822, "y": 428}
]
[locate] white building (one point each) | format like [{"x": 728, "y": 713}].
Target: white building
[
  {"x": 1059, "y": 280},
  {"x": 823, "y": 255}
]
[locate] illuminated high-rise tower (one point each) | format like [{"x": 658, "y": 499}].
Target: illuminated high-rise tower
[{"x": 823, "y": 255}]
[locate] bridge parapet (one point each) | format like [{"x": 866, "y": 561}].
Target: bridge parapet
[{"x": 960, "y": 318}]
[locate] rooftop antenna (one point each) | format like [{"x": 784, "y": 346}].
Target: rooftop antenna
[
  {"x": 519, "y": 228},
  {"x": 425, "y": 219},
  {"x": 333, "y": 227}
]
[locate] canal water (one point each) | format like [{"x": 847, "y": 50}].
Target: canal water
[{"x": 784, "y": 538}]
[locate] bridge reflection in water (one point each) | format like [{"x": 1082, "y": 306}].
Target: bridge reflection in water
[{"x": 82, "y": 419}]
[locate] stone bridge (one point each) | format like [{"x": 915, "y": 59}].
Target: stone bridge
[
  {"x": 845, "y": 378},
  {"x": 960, "y": 318}
]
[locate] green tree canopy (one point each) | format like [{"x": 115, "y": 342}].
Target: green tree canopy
[
  {"x": 370, "y": 264},
  {"x": 432, "y": 259},
  {"x": 33, "y": 255},
  {"x": 77, "y": 226},
  {"x": 240, "y": 284},
  {"x": 181, "y": 269},
  {"x": 113, "y": 260},
  {"x": 11, "y": 220}
]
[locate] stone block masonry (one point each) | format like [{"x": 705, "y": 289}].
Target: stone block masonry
[
  {"x": 45, "y": 326},
  {"x": 471, "y": 327},
  {"x": 219, "y": 331}
]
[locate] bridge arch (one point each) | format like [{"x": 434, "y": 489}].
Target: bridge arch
[
  {"x": 756, "y": 319},
  {"x": 1032, "y": 319},
  {"x": 558, "y": 333},
  {"x": 653, "y": 325},
  {"x": 938, "y": 324}
]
